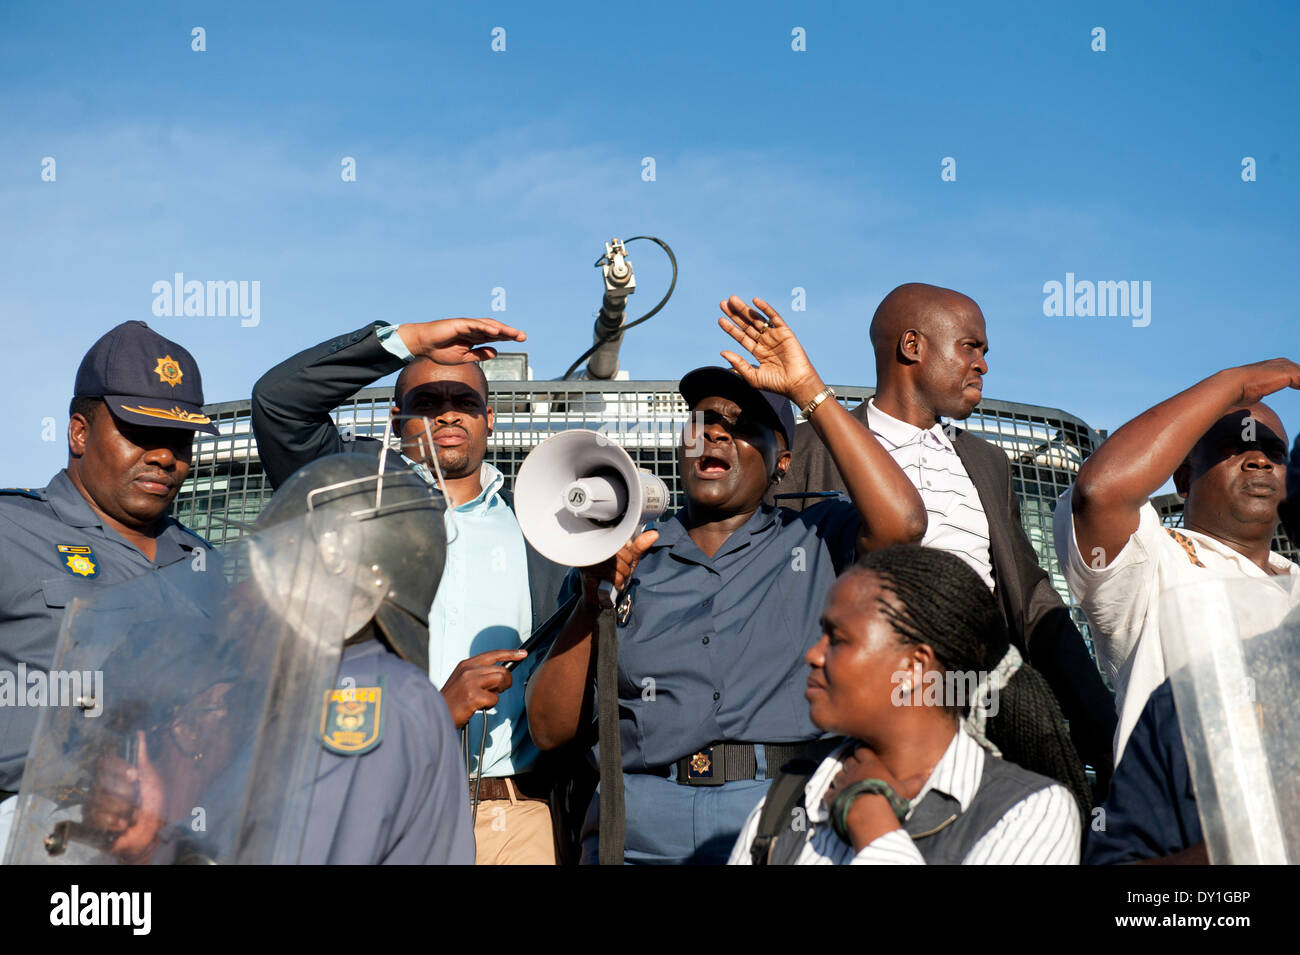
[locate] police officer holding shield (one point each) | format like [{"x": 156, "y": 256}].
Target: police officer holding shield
[
  {"x": 137, "y": 402},
  {"x": 390, "y": 787},
  {"x": 274, "y": 718}
]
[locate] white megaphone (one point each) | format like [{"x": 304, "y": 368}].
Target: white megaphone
[{"x": 579, "y": 498}]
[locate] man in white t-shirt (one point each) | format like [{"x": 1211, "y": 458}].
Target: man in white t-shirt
[{"x": 1227, "y": 455}]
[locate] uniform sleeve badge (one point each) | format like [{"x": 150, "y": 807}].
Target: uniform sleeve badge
[
  {"x": 352, "y": 719},
  {"x": 78, "y": 560}
]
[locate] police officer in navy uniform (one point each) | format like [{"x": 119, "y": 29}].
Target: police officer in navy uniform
[
  {"x": 723, "y": 605},
  {"x": 390, "y": 785},
  {"x": 136, "y": 404}
]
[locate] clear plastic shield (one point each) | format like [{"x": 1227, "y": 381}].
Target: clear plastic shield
[
  {"x": 187, "y": 737},
  {"x": 1232, "y": 651}
]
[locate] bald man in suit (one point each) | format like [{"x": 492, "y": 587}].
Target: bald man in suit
[{"x": 931, "y": 348}]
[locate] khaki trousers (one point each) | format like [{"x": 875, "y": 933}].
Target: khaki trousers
[{"x": 513, "y": 832}]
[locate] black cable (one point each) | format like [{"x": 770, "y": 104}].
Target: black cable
[
  {"x": 478, "y": 776},
  {"x": 464, "y": 751},
  {"x": 650, "y": 314}
]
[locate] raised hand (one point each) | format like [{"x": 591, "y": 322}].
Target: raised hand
[
  {"x": 1262, "y": 378},
  {"x": 783, "y": 367},
  {"x": 455, "y": 341}
]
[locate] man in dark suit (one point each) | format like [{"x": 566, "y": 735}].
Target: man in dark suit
[
  {"x": 495, "y": 590},
  {"x": 930, "y": 345}
]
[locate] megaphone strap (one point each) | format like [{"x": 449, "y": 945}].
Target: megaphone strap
[{"x": 612, "y": 812}]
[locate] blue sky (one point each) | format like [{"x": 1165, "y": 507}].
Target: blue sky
[{"x": 774, "y": 169}]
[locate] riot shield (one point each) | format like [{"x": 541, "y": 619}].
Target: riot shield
[
  {"x": 187, "y": 736},
  {"x": 1232, "y": 651}
]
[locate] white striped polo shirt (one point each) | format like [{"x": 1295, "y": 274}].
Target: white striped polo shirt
[{"x": 955, "y": 515}]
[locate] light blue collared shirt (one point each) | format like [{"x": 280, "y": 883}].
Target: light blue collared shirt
[{"x": 483, "y": 603}]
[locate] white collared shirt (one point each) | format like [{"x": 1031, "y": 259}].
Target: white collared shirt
[
  {"x": 955, "y": 519},
  {"x": 1122, "y": 598},
  {"x": 1041, "y": 829}
]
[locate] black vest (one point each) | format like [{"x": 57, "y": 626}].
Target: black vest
[{"x": 940, "y": 830}]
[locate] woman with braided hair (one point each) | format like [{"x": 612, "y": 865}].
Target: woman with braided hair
[{"x": 953, "y": 749}]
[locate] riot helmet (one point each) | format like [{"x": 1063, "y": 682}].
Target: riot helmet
[{"x": 402, "y": 546}]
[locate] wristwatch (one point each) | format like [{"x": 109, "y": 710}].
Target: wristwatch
[{"x": 827, "y": 392}]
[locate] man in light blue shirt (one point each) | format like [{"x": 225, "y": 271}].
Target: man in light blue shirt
[
  {"x": 483, "y": 605},
  {"x": 495, "y": 590}
]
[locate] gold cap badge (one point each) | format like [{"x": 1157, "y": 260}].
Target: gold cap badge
[{"x": 168, "y": 371}]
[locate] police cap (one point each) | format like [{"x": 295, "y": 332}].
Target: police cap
[{"x": 144, "y": 379}]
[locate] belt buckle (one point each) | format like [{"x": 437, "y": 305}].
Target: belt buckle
[{"x": 706, "y": 768}]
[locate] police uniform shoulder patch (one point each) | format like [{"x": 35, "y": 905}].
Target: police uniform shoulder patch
[
  {"x": 78, "y": 559},
  {"x": 22, "y": 492},
  {"x": 352, "y": 719}
]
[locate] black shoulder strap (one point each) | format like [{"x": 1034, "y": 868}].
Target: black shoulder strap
[
  {"x": 785, "y": 795},
  {"x": 612, "y": 819}
]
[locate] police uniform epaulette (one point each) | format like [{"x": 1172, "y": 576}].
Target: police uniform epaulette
[{"x": 23, "y": 492}]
